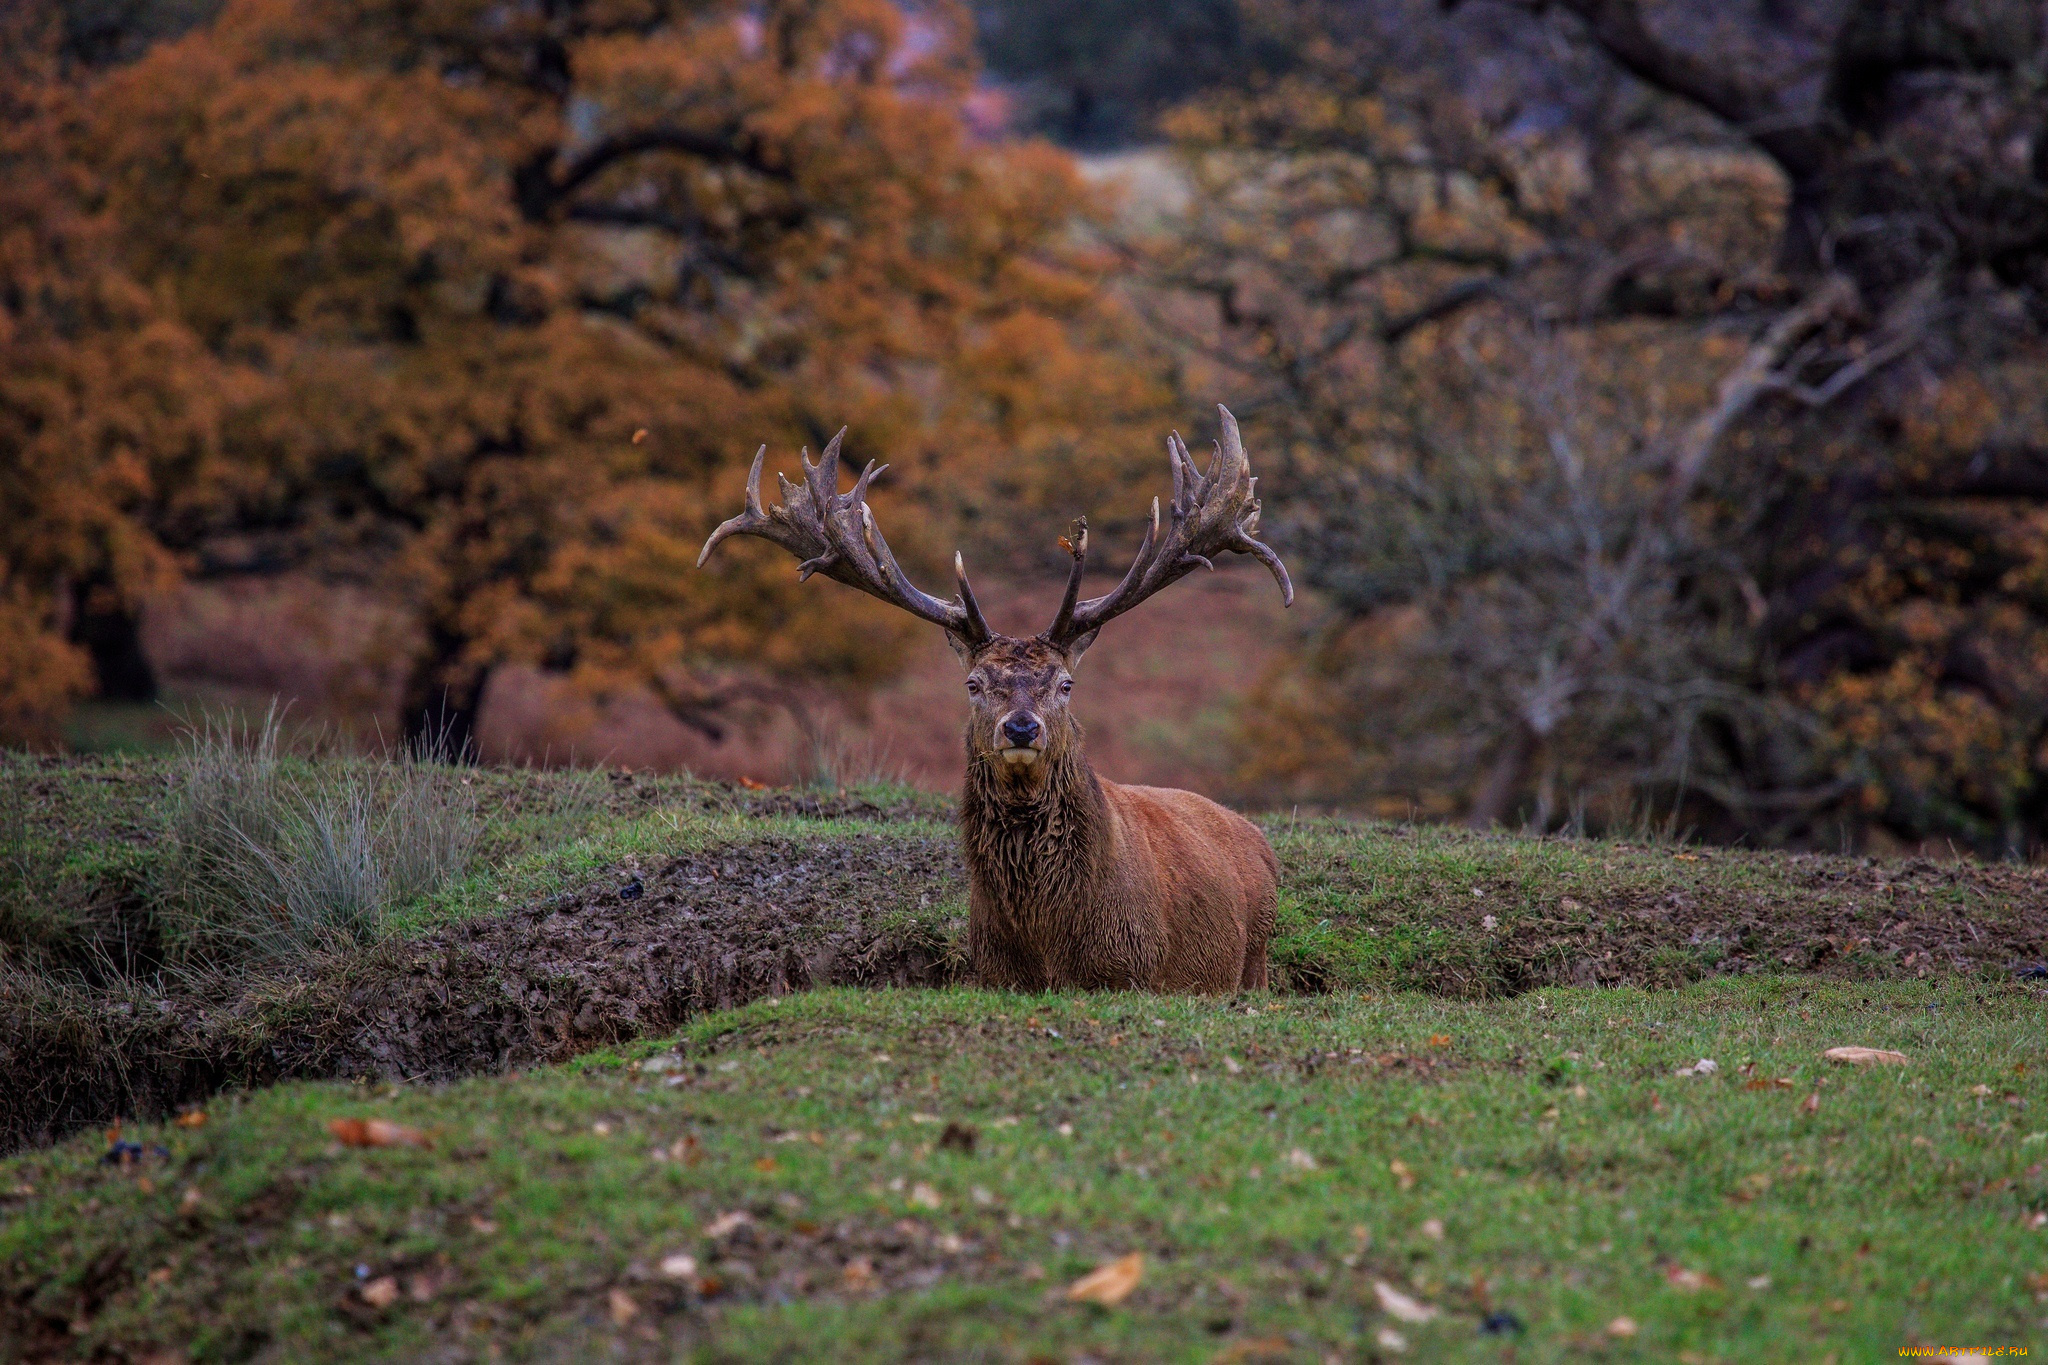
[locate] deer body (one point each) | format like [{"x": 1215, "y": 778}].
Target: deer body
[
  {"x": 1073, "y": 881},
  {"x": 1129, "y": 888}
]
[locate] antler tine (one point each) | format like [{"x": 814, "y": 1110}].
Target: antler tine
[
  {"x": 978, "y": 626},
  {"x": 835, "y": 534},
  {"x": 1210, "y": 514},
  {"x": 1075, "y": 542},
  {"x": 747, "y": 520}
]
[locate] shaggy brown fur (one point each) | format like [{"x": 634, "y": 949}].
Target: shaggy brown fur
[{"x": 1079, "y": 882}]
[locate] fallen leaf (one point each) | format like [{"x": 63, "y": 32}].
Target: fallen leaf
[
  {"x": 1865, "y": 1056},
  {"x": 1622, "y": 1328},
  {"x": 1750, "y": 1187},
  {"x": 765, "y": 1165},
  {"x": 1687, "y": 1281},
  {"x": 1439, "y": 1040},
  {"x": 1759, "y": 1282},
  {"x": 1980, "y": 1090},
  {"x": 1403, "y": 1177},
  {"x": 1110, "y": 1283},
  {"x": 624, "y": 1310},
  {"x": 376, "y": 1133},
  {"x": 191, "y": 1118},
  {"x": 482, "y": 1225},
  {"x": 189, "y": 1202},
  {"x": 923, "y": 1196},
  {"x": 601, "y": 1128},
  {"x": 751, "y": 785},
  {"x": 160, "y": 1276},
  {"x": 1390, "y": 1340},
  {"x": 680, "y": 1265},
  {"x": 1300, "y": 1160},
  {"x": 1253, "y": 1348},
  {"x": 728, "y": 1223},
  {"x": 1433, "y": 1228},
  {"x": 639, "y": 435},
  {"x": 859, "y": 1275},
  {"x": 1399, "y": 1305},
  {"x": 381, "y": 1292},
  {"x": 1811, "y": 1104}
]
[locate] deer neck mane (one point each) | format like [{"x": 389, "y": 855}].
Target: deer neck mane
[{"x": 1034, "y": 848}]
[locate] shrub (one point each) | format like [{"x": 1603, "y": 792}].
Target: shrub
[{"x": 270, "y": 857}]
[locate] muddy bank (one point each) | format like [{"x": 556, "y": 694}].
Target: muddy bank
[
  {"x": 636, "y": 952},
  {"x": 640, "y": 949}
]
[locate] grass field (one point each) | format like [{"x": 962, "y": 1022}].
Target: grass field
[{"x": 651, "y": 1139}]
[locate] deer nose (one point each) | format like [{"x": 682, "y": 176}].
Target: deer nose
[{"x": 1021, "y": 729}]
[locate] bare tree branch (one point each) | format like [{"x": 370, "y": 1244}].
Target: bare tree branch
[
  {"x": 539, "y": 186},
  {"x": 1618, "y": 27}
]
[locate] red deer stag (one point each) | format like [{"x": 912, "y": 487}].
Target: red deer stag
[{"x": 1073, "y": 881}]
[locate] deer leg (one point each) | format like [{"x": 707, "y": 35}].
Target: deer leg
[{"x": 1261, "y": 931}]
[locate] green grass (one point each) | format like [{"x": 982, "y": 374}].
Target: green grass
[
  {"x": 1247, "y": 1148},
  {"x": 1575, "y": 1178}
]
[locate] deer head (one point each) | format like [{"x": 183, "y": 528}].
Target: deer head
[{"x": 1017, "y": 686}]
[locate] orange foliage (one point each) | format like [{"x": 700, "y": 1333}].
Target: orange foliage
[
  {"x": 459, "y": 255},
  {"x": 106, "y": 403}
]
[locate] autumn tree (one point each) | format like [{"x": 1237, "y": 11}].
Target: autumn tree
[
  {"x": 108, "y": 410},
  {"x": 518, "y": 292},
  {"x": 1765, "y": 552}
]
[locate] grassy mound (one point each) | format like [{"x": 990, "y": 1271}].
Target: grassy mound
[
  {"x": 890, "y": 1175},
  {"x": 142, "y": 968}
]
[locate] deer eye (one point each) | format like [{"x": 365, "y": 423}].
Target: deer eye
[
  {"x": 974, "y": 687},
  {"x": 1066, "y": 686}
]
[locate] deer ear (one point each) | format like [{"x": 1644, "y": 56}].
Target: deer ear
[
  {"x": 961, "y": 649},
  {"x": 1080, "y": 646}
]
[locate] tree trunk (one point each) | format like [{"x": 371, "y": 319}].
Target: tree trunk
[
  {"x": 112, "y": 634},
  {"x": 1510, "y": 770},
  {"x": 443, "y": 703}
]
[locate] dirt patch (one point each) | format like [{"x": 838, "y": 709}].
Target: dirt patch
[
  {"x": 632, "y": 954},
  {"x": 1652, "y": 918},
  {"x": 1829, "y": 916}
]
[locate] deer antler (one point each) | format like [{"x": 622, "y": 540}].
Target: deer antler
[
  {"x": 836, "y": 534},
  {"x": 1211, "y": 513}
]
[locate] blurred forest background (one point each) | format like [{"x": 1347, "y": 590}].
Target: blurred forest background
[{"x": 1652, "y": 396}]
